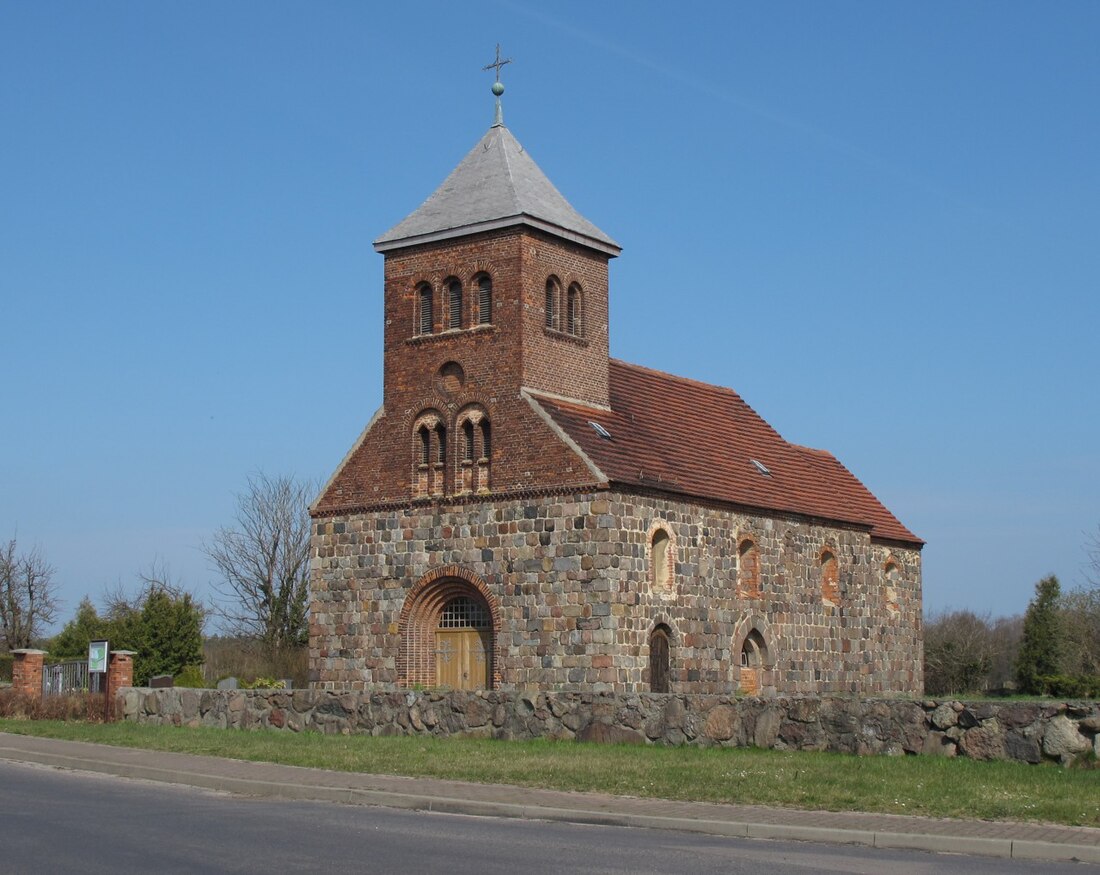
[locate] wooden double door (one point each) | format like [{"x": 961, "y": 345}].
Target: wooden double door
[{"x": 462, "y": 658}]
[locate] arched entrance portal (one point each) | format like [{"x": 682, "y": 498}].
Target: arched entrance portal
[
  {"x": 463, "y": 645},
  {"x": 448, "y": 627},
  {"x": 659, "y": 659}
]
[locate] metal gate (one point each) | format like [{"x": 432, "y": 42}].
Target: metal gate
[{"x": 70, "y": 677}]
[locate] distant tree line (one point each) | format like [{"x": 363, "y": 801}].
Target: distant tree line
[
  {"x": 260, "y": 605},
  {"x": 1053, "y": 649},
  {"x": 161, "y": 623}
]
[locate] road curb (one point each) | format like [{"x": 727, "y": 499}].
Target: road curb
[{"x": 988, "y": 847}]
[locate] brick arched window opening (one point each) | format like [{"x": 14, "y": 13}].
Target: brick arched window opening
[
  {"x": 468, "y": 441},
  {"x": 660, "y": 659},
  {"x": 440, "y": 464},
  {"x": 753, "y": 651},
  {"x": 485, "y": 460},
  {"x": 661, "y": 558},
  {"x": 754, "y": 657},
  {"x": 748, "y": 569},
  {"x": 574, "y": 311},
  {"x": 429, "y": 454},
  {"x": 553, "y": 294},
  {"x": 830, "y": 578},
  {"x": 475, "y": 466},
  {"x": 484, "y": 300},
  {"x": 455, "y": 317},
  {"x": 425, "y": 319},
  {"x": 892, "y": 576},
  {"x": 448, "y": 626}
]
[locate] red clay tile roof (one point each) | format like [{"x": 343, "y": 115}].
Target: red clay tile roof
[{"x": 691, "y": 438}]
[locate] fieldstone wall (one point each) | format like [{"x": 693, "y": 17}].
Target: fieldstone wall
[
  {"x": 1025, "y": 731},
  {"x": 570, "y": 584}
]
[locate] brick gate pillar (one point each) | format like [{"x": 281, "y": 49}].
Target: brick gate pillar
[
  {"x": 26, "y": 671},
  {"x": 121, "y": 669},
  {"x": 120, "y": 674}
]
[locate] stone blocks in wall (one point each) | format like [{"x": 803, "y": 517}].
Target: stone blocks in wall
[
  {"x": 1026, "y": 732},
  {"x": 569, "y": 579}
]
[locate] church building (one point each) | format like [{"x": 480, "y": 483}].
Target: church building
[{"x": 526, "y": 513}]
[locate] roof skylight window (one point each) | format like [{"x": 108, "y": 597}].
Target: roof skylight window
[
  {"x": 600, "y": 430},
  {"x": 761, "y": 467}
]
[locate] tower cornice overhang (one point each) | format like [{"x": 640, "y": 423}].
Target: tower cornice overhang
[{"x": 518, "y": 220}]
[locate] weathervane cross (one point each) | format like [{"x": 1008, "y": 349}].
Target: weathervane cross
[{"x": 498, "y": 63}]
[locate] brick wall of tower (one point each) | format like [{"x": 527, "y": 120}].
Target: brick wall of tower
[
  {"x": 555, "y": 361},
  {"x": 496, "y": 361}
]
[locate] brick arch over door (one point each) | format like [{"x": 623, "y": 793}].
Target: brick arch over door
[{"x": 419, "y": 621}]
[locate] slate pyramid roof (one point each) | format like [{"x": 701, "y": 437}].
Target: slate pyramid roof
[{"x": 497, "y": 185}]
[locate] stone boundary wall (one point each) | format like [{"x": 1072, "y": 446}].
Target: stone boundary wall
[{"x": 1025, "y": 731}]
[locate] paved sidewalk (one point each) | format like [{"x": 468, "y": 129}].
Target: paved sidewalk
[{"x": 996, "y": 839}]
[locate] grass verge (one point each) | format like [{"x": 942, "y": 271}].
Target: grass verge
[{"x": 929, "y": 786}]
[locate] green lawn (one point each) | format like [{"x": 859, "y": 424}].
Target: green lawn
[{"x": 930, "y": 786}]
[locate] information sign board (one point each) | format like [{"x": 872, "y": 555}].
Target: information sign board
[{"x": 97, "y": 657}]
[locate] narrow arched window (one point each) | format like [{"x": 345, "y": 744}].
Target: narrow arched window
[
  {"x": 486, "y": 439},
  {"x": 454, "y": 304},
  {"x": 893, "y": 579},
  {"x": 484, "y": 301},
  {"x": 552, "y": 303},
  {"x": 660, "y": 557},
  {"x": 441, "y": 437},
  {"x": 424, "y": 318},
  {"x": 468, "y": 441},
  {"x": 748, "y": 569},
  {"x": 425, "y": 445},
  {"x": 830, "y": 578},
  {"x": 660, "y": 659},
  {"x": 574, "y": 311},
  {"x": 422, "y": 455},
  {"x": 754, "y": 653}
]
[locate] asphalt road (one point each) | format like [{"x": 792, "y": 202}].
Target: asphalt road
[{"x": 54, "y": 821}]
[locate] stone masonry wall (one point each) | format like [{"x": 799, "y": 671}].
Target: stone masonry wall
[
  {"x": 569, "y": 582},
  {"x": 1024, "y": 731}
]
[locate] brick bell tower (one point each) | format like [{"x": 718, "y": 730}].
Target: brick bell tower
[{"x": 495, "y": 288}]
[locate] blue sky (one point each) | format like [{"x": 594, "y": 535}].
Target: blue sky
[{"x": 879, "y": 223}]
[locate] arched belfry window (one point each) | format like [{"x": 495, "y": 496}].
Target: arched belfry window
[
  {"x": 484, "y": 300},
  {"x": 553, "y": 292},
  {"x": 425, "y": 322},
  {"x": 475, "y": 467},
  {"x": 425, "y": 445},
  {"x": 486, "y": 440},
  {"x": 454, "y": 304},
  {"x": 830, "y": 578},
  {"x": 429, "y": 454},
  {"x": 468, "y": 441},
  {"x": 574, "y": 314}
]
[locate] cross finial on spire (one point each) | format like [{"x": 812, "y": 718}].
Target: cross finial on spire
[{"x": 498, "y": 86}]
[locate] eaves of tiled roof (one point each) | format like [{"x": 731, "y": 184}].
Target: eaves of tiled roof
[{"x": 702, "y": 441}]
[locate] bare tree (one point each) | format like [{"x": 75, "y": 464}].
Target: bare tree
[
  {"x": 959, "y": 652},
  {"x": 1008, "y": 633},
  {"x": 263, "y": 563},
  {"x": 1092, "y": 550},
  {"x": 28, "y": 595}
]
